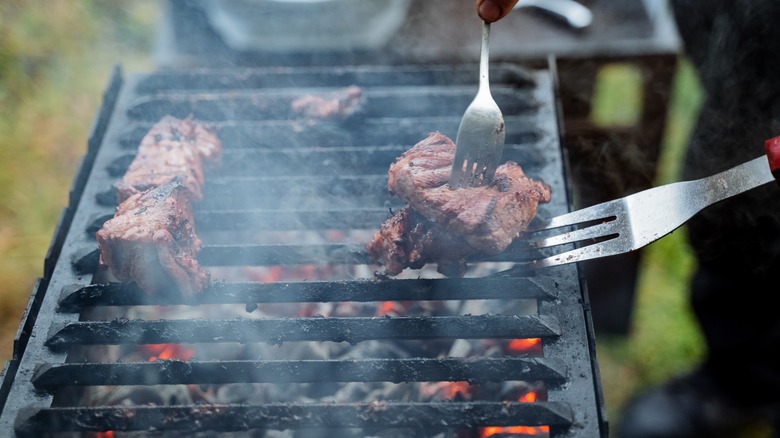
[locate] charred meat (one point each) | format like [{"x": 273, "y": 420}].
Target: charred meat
[
  {"x": 409, "y": 240},
  {"x": 151, "y": 241},
  {"x": 173, "y": 149},
  {"x": 488, "y": 217}
]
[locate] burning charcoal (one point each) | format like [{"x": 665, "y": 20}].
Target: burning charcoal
[
  {"x": 375, "y": 350},
  {"x": 461, "y": 348},
  {"x": 445, "y": 391},
  {"x": 339, "y": 105},
  {"x": 172, "y": 150},
  {"x": 235, "y": 393},
  {"x": 164, "y": 395},
  {"x": 151, "y": 241},
  {"x": 520, "y": 391},
  {"x": 443, "y": 225},
  {"x": 352, "y": 391},
  {"x": 401, "y": 391}
]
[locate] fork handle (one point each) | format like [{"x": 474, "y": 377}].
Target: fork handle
[
  {"x": 484, "y": 60},
  {"x": 772, "y": 147}
]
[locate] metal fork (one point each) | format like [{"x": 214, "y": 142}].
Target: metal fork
[
  {"x": 480, "y": 140},
  {"x": 629, "y": 223}
]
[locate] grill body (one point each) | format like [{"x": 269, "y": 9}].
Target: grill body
[{"x": 281, "y": 174}]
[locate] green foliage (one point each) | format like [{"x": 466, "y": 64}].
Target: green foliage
[
  {"x": 55, "y": 61},
  {"x": 617, "y": 96},
  {"x": 664, "y": 339},
  {"x": 686, "y": 99}
]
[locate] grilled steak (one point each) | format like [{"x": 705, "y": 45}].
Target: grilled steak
[
  {"x": 488, "y": 217},
  {"x": 340, "y": 104},
  {"x": 151, "y": 241},
  {"x": 409, "y": 240},
  {"x": 172, "y": 149}
]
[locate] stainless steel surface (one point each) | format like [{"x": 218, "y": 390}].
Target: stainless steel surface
[
  {"x": 282, "y": 26},
  {"x": 481, "y": 134},
  {"x": 570, "y": 12},
  {"x": 637, "y": 220}
]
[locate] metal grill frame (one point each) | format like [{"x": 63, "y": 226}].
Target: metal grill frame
[{"x": 51, "y": 322}]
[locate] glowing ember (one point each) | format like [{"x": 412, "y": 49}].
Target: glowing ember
[
  {"x": 514, "y": 430},
  {"x": 445, "y": 390},
  {"x": 389, "y": 308},
  {"x": 168, "y": 351},
  {"x": 525, "y": 345},
  {"x": 275, "y": 274},
  {"x": 528, "y": 397},
  {"x": 109, "y": 434}
]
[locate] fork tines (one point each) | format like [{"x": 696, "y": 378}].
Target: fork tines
[
  {"x": 471, "y": 173},
  {"x": 599, "y": 230}
]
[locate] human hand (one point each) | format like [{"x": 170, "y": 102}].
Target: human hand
[{"x": 494, "y": 10}]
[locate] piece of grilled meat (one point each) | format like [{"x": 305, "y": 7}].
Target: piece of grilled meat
[
  {"x": 338, "y": 105},
  {"x": 172, "y": 149},
  {"x": 409, "y": 240},
  {"x": 151, "y": 241},
  {"x": 487, "y": 217}
]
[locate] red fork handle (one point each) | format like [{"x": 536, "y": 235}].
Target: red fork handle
[{"x": 772, "y": 147}]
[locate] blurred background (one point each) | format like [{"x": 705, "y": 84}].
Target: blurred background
[{"x": 55, "y": 62}]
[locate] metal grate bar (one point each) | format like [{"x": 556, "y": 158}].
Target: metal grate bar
[
  {"x": 193, "y": 418},
  {"x": 253, "y": 255},
  {"x": 76, "y": 298},
  {"x": 244, "y": 162},
  {"x": 175, "y": 372},
  {"x": 335, "y": 186},
  {"x": 279, "y": 330},
  {"x": 268, "y": 255},
  {"x": 299, "y": 76},
  {"x": 333, "y": 253},
  {"x": 251, "y": 105},
  {"x": 255, "y": 220},
  {"x": 242, "y": 220},
  {"x": 269, "y": 134}
]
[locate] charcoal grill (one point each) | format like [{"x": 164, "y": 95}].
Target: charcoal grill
[{"x": 343, "y": 167}]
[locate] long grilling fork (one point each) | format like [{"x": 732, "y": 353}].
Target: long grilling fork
[
  {"x": 629, "y": 223},
  {"x": 481, "y": 134}
]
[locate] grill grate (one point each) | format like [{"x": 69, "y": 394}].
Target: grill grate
[
  {"x": 283, "y": 175},
  {"x": 430, "y": 417}
]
